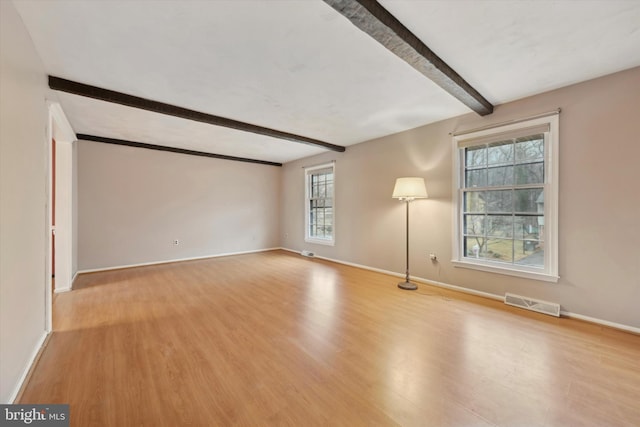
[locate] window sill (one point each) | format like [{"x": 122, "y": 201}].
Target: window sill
[
  {"x": 320, "y": 241},
  {"x": 527, "y": 274}
]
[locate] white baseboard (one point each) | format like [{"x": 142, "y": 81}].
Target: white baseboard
[
  {"x": 73, "y": 279},
  {"x": 62, "y": 290},
  {"x": 145, "y": 264},
  {"x": 607, "y": 323},
  {"x": 419, "y": 279},
  {"x": 568, "y": 314},
  {"x": 289, "y": 250},
  {"x": 27, "y": 368}
]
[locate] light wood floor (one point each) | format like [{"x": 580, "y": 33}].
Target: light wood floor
[{"x": 278, "y": 339}]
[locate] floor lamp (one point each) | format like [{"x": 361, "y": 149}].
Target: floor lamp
[{"x": 407, "y": 190}]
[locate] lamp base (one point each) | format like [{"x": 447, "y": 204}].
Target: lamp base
[{"x": 408, "y": 286}]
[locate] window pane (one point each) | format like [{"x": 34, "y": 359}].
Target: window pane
[
  {"x": 329, "y": 221},
  {"x": 500, "y": 249},
  {"x": 475, "y": 156},
  {"x": 530, "y": 200},
  {"x": 474, "y": 201},
  {"x": 500, "y": 176},
  {"x": 500, "y": 153},
  {"x": 528, "y": 227},
  {"x": 530, "y": 173},
  {"x": 474, "y": 247},
  {"x": 499, "y": 201},
  {"x": 476, "y": 178},
  {"x": 530, "y": 149},
  {"x": 500, "y": 226},
  {"x": 529, "y": 252},
  {"x": 489, "y": 249},
  {"x": 474, "y": 225}
]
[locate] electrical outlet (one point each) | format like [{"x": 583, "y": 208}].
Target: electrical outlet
[{"x": 176, "y": 242}]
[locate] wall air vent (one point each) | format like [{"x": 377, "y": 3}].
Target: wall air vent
[
  {"x": 307, "y": 254},
  {"x": 545, "y": 307}
]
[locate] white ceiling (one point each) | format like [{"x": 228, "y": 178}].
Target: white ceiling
[{"x": 298, "y": 66}]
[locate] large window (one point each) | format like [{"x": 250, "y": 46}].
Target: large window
[
  {"x": 506, "y": 201},
  {"x": 319, "y": 196}
]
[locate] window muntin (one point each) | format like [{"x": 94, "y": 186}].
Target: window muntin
[
  {"x": 319, "y": 208},
  {"x": 503, "y": 184},
  {"x": 503, "y": 178}
]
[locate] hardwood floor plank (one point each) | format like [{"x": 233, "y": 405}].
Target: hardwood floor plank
[{"x": 277, "y": 339}]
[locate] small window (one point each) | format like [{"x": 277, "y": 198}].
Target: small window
[
  {"x": 506, "y": 199},
  {"x": 319, "y": 202}
]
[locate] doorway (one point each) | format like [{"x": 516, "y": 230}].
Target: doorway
[{"x": 59, "y": 263}]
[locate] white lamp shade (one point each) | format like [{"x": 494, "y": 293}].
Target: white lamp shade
[{"x": 410, "y": 188}]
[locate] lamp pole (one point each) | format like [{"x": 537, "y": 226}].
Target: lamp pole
[
  {"x": 407, "y": 284},
  {"x": 406, "y": 190}
]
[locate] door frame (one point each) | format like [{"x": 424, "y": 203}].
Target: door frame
[{"x": 60, "y": 129}]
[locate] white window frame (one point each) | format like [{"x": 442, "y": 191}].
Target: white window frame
[
  {"x": 551, "y": 175},
  {"x": 308, "y": 171}
]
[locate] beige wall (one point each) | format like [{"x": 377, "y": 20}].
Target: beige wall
[
  {"x": 599, "y": 201},
  {"x": 23, "y": 200},
  {"x": 132, "y": 204}
]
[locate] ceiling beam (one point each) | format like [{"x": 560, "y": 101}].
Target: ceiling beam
[
  {"x": 126, "y": 143},
  {"x": 379, "y": 23},
  {"x": 57, "y": 83}
]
